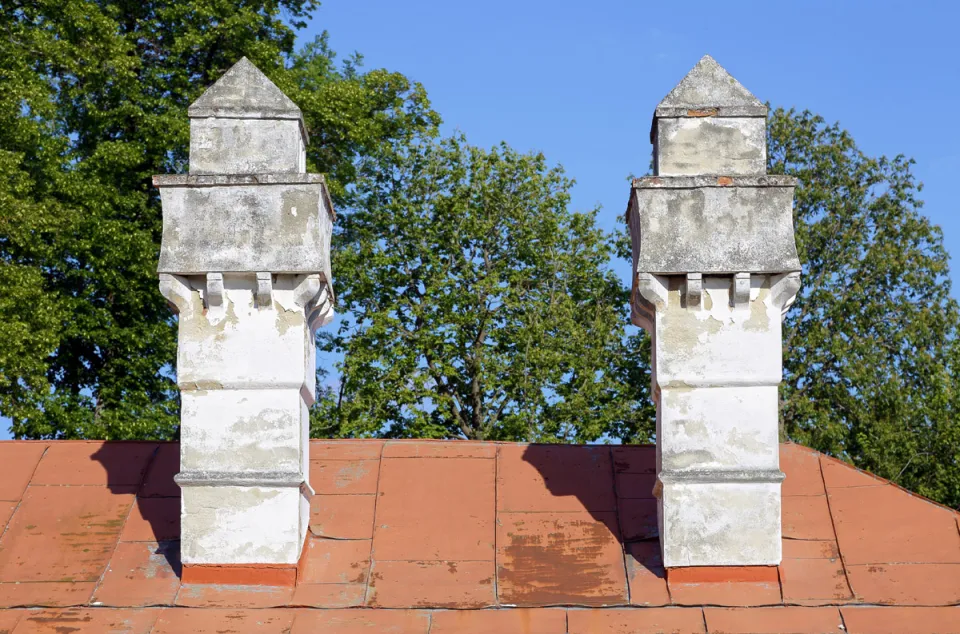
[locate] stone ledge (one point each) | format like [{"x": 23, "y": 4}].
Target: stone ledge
[
  {"x": 291, "y": 479},
  {"x": 690, "y": 111},
  {"x": 721, "y": 476},
  {"x": 698, "y": 182},
  {"x": 219, "y": 180}
]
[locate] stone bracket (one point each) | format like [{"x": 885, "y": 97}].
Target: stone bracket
[
  {"x": 784, "y": 289},
  {"x": 648, "y": 295},
  {"x": 264, "y": 290},
  {"x": 314, "y": 294},
  {"x": 693, "y": 291},
  {"x": 176, "y": 290},
  {"x": 741, "y": 290},
  {"x": 213, "y": 297}
]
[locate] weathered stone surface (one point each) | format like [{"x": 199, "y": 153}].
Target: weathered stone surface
[
  {"x": 281, "y": 228},
  {"x": 242, "y": 524},
  {"x": 708, "y": 89},
  {"x": 244, "y": 92},
  {"x": 715, "y": 267},
  {"x": 246, "y": 146},
  {"x": 706, "y": 523},
  {"x": 710, "y": 145},
  {"x": 245, "y": 262},
  {"x": 720, "y": 225}
]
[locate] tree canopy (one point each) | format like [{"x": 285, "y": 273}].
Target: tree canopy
[
  {"x": 478, "y": 305},
  {"x": 870, "y": 345},
  {"x": 476, "y": 302},
  {"x": 93, "y": 99}
]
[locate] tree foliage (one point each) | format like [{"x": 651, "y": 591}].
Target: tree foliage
[
  {"x": 870, "y": 345},
  {"x": 93, "y": 98},
  {"x": 478, "y": 304}
]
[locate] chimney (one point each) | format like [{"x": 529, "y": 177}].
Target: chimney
[
  {"x": 715, "y": 267},
  {"x": 245, "y": 262}
]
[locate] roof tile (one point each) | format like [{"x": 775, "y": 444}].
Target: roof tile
[
  {"x": 807, "y": 517},
  {"x": 786, "y": 620},
  {"x": 638, "y": 520},
  {"x": 636, "y": 486},
  {"x": 63, "y": 534},
  {"x": 59, "y": 621},
  {"x": 342, "y": 516},
  {"x": 563, "y": 546},
  {"x": 104, "y": 464},
  {"x": 645, "y": 572},
  {"x": 432, "y": 509},
  {"x": 442, "y": 584},
  {"x": 634, "y": 458},
  {"x": 555, "y": 478},
  {"x": 229, "y": 596},
  {"x": 344, "y": 477},
  {"x": 726, "y": 593},
  {"x": 19, "y": 462},
  {"x": 897, "y": 620},
  {"x": 9, "y": 619},
  {"x": 810, "y": 549},
  {"x": 141, "y": 574},
  {"x": 361, "y": 621},
  {"x": 335, "y": 561},
  {"x": 438, "y": 449},
  {"x": 153, "y": 520},
  {"x": 45, "y": 593},
  {"x": 838, "y": 475},
  {"x": 906, "y": 584},
  {"x": 159, "y": 479},
  {"x": 529, "y": 621},
  {"x": 218, "y": 621},
  {"x": 913, "y": 529},
  {"x": 6, "y": 513},
  {"x": 346, "y": 449},
  {"x": 801, "y": 466},
  {"x": 814, "y": 580},
  {"x": 329, "y": 595},
  {"x": 560, "y": 558},
  {"x": 630, "y": 621}
]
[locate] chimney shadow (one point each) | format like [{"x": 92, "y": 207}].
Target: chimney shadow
[
  {"x": 614, "y": 484},
  {"x": 155, "y": 516}
]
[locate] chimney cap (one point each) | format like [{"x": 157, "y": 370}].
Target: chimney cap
[
  {"x": 709, "y": 90},
  {"x": 244, "y": 92}
]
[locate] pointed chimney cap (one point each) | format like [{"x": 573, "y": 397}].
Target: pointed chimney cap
[
  {"x": 244, "y": 92},
  {"x": 709, "y": 90}
]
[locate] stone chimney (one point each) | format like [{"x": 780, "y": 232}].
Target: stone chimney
[
  {"x": 245, "y": 262},
  {"x": 715, "y": 267}
]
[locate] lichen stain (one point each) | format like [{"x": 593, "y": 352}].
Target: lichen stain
[
  {"x": 287, "y": 319},
  {"x": 350, "y": 473},
  {"x": 685, "y": 459},
  {"x": 759, "y": 317},
  {"x": 563, "y": 565}
]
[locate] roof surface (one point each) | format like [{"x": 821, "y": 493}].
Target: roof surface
[{"x": 435, "y": 537}]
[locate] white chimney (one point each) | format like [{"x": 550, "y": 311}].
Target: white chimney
[
  {"x": 245, "y": 262},
  {"x": 715, "y": 267}
]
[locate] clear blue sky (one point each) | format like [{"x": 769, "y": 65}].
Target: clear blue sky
[{"x": 579, "y": 80}]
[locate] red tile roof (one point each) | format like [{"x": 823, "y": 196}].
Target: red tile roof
[{"x": 464, "y": 537}]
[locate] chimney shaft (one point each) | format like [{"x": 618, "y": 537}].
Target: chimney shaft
[
  {"x": 715, "y": 267},
  {"x": 245, "y": 262}
]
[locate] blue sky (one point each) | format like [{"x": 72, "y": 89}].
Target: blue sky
[{"x": 579, "y": 80}]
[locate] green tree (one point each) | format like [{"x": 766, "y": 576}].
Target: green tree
[
  {"x": 870, "y": 347},
  {"x": 93, "y": 98},
  {"x": 477, "y": 305}
]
